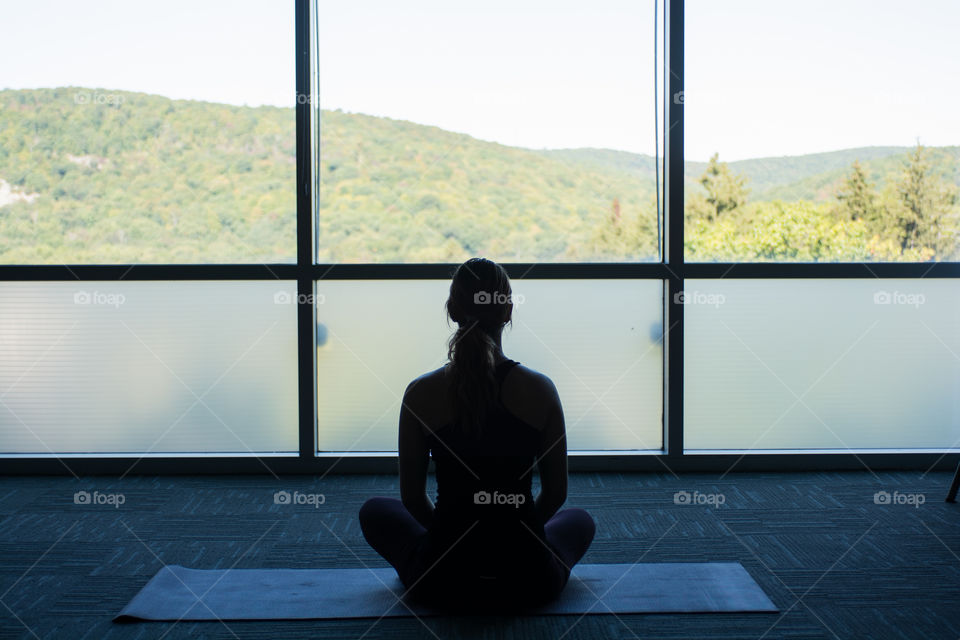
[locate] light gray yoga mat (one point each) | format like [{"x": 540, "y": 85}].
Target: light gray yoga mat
[{"x": 178, "y": 593}]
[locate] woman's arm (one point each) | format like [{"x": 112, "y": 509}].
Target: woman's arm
[
  {"x": 552, "y": 458},
  {"x": 414, "y": 458}
]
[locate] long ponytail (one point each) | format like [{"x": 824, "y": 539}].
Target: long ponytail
[{"x": 480, "y": 303}]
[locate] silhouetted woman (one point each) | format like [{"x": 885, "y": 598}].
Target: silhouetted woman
[{"x": 488, "y": 421}]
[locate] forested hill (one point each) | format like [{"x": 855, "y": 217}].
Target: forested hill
[
  {"x": 109, "y": 176},
  {"x": 812, "y": 176},
  {"x": 96, "y": 175}
]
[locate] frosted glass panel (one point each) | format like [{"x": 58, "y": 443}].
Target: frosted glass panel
[
  {"x": 148, "y": 367},
  {"x": 597, "y": 339},
  {"x": 822, "y": 364}
]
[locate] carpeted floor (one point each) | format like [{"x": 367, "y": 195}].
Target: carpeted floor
[{"x": 838, "y": 564}]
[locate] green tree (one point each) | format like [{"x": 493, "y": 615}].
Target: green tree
[
  {"x": 625, "y": 236},
  {"x": 925, "y": 201},
  {"x": 857, "y": 197},
  {"x": 726, "y": 191}
]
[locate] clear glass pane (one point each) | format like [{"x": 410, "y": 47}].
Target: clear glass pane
[
  {"x": 132, "y": 132},
  {"x": 521, "y": 130},
  {"x": 148, "y": 367},
  {"x": 822, "y": 364},
  {"x": 599, "y": 340},
  {"x": 835, "y": 128}
]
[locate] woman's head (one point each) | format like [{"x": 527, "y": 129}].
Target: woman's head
[
  {"x": 480, "y": 294},
  {"x": 480, "y": 303}
]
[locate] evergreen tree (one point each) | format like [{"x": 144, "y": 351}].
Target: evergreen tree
[
  {"x": 725, "y": 190},
  {"x": 925, "y": 201},
  {"x": 857, "y": 198}
]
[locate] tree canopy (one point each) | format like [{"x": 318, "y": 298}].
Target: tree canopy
[{"x": 143, "y": 178}]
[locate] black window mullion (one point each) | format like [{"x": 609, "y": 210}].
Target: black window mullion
[
  {"x": 673, "y": 216},
  {"x": 305, "y": 310}
]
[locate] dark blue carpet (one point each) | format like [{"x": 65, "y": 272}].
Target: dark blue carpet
[{"x": 836, "y": 562}]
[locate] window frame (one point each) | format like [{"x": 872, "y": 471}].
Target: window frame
[{"x": 671, "y": 270}]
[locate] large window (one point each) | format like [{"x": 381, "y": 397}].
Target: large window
[
  {"x": 822, "y": 131},
  {"x": 238, "y": 246},
  {"x": 134, "y": 132},
  {"x": 521, "y": 130}
]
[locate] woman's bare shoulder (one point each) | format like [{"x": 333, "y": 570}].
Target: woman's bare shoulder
[
  {"x": 534, "y": 381},
  {"x": 530, "y": 395},
  {"x": 425, "y": 396},
  {"x": 425, "y": 384}
]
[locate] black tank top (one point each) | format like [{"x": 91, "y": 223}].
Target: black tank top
[{"x": 484, "y": 519}]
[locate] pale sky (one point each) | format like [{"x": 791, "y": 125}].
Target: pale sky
[{"x": 764, "y": 77}]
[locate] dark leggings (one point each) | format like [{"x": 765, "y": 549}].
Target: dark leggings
[{"x": 395, "y": 534}]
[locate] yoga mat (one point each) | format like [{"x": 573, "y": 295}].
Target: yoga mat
[{"x": 178, "y": 593}]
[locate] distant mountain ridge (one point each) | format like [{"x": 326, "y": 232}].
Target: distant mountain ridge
[
  {"x": 800, "y": 177},
  {"x": 144, "y": 178}
]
